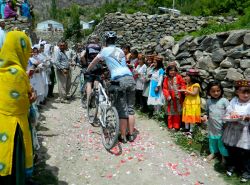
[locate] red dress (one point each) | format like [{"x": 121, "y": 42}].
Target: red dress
[{"x": 174, "y": 105}]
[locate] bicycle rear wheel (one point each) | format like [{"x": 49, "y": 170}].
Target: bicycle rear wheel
[
  {"x": 74, "y": 86},
  {"x": 111, "y": 131},
  {"x": 92, "y": 110}
]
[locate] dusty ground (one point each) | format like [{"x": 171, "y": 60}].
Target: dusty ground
[{"x": 72, "y": 150}]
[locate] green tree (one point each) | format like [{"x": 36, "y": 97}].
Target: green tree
[
  {"x": 53, "y": 10},
  {"x": 73, "y": 29}
]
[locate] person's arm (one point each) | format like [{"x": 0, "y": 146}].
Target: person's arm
[
  {"x": 165, "y": 89},
  {"x": 194, "y": 92},
  {"x": 93, "y": 63}
]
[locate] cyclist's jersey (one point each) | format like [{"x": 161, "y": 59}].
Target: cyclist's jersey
[
  {"x": 115, "y": 60},
  {"x": 91, "y": 52}
]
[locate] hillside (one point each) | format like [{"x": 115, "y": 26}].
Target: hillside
[{"x": 42, "y": 8}]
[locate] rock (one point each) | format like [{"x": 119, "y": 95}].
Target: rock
[
  {"x": 218, "y": 55},
  {"x": 187, "y": 61},
  {"x": 167, "y": 41},
  {"x": 229, "y": 92},
  {"x": 206, "y": 63},
  {"x": 236, "y": 52},
  {"x": 198, "y": 54},
  {"x": 227, "y": 63},
  {"x": 220, "y": 74},
  {"x": 226, "y": 84},
  {"x": 209, "y": 43},
  {"x": 175, "y": 49},
  {"x": 235, "y": 37},
  {"x": 233, "y": 75},
  {"x": 245, "y": 63},
  {"x": 246, "y": 39},
  {"x": 183, "y": 55},
  {"x": 203, "y": 74},
  {"x": 247, "y": 74}
]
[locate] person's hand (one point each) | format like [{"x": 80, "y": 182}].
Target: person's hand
[
  {"x": 65, "y": 72},
  {"x": 157, "y": 89},
  {"x": 234, "y": 115},
  {"x": 204, "y": 119},
  {"x": 182, "y": 90},
  {"x": 169, "y": 98},
  {"x": 32, "y": 96}
]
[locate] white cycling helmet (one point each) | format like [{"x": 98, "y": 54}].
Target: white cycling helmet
[{"x": 110, "y": 34}]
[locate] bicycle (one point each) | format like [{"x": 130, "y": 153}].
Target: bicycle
[
  {"x": 79, "y": 79},
  {"x": 105, "y": 114}
]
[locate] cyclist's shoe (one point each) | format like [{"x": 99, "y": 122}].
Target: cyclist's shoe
[
  {"x": 131, "y": 137},
  {"x": 122, "y": 139}
]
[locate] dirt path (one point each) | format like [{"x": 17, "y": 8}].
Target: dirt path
[{"x": 74, "y": 153}]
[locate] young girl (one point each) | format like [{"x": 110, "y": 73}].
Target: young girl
[
  {"x": 172, "y": 83},
  {"x": 155, "y": 88},
  {"x": 191, "y": 113},
  {"x": 236, "y": 136},
  {"x": 139, "y": 74},
  {"x": 215, "y": 112}
]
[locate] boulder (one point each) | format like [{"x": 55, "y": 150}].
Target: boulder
[
  {"x": 183, "y": 55},
  {"x": 233, "y": 75},
  {"x": 175, "y": 49},
  {"x": 167, "y": 41},
  {"x": 246, "y": 39},
  {"x": 247, "y": 74},
  {"x": 206, "y": 63},
  {"x": 227, "y": 63},
  {"x": 218, "y": 55},
  {"x": 235, "y": 37},
  {"x": 245, "y": 63},
  {"x": 226, "y": 84},
  {"x": 220, "y": 74}
]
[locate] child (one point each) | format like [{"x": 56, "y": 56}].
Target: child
[
  {"x": 191, "y": 113},
  {"x": 155, "y": 97},
  {"x": 172, "y": 83},
  {"x": 215, "y": 112},
  {"x": 139, "y": 74},
  {"x": 236, "y": 136}
]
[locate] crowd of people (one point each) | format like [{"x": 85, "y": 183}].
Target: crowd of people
[{"x": 144, "y": 84}]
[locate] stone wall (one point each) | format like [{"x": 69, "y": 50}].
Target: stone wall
[
  {"x": 141, "y": 29},
  {"x": 21, "y": 24},
  {"x": 51, "y": 37},
  {"x": 222, "y": 56}
]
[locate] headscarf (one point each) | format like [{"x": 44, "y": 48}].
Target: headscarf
[{"x": 14, "y": 82}]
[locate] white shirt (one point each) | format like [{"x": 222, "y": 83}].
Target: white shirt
[{"x": 2, "y": 37}]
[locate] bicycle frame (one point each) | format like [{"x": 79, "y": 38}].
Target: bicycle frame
[{"x": 103, "y": 105}]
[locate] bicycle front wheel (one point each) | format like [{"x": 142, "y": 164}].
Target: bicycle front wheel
[
  {"x": 111, "y": 131},
  {"x": 92, "y": 110},
  {"x": 74, "y": 86}
]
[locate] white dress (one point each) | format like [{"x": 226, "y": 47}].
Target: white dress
[{"x": 140, "y": 72}]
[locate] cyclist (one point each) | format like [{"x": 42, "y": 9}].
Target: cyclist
[
  {"x": 92, "y": 49},
  {"x": 115, "y": 60}
]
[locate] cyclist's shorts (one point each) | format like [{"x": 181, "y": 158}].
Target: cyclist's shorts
[
  {"x": 89, "y": 78},
  {"x": 126, "y": 97}
]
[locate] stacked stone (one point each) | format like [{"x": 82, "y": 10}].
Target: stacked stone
[
  {"x": 22, "y": 24},
  {"x": 222, "y": 56},
  {"x": 144, "y": 30}
]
